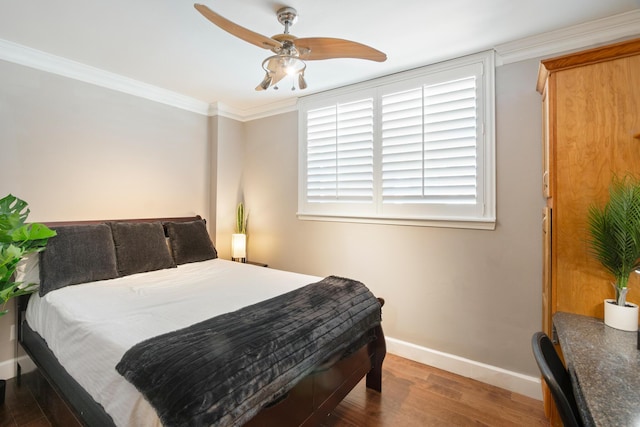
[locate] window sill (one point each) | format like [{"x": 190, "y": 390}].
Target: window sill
[{"x": 476, "y": 224}]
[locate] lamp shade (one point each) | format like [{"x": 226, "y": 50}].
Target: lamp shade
[{"x": 239, "y": 246}]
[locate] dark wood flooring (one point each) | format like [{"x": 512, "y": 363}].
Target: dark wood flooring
[{"x": 412, "y": 395}]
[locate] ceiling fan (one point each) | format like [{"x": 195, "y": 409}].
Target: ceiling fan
[{"x": 290, "y": 51}]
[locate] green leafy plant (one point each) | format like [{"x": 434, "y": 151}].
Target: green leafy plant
[
  {"x": 615, "y": 233},
  {"x": 17, "y": 239},
  {"x": 241, "y": 220}
]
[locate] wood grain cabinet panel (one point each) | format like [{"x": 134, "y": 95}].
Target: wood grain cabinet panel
[
  {"x": 591, "y": 102},
  {"x": 591, "y": 119},
  {"x": 546, "y": 270}
]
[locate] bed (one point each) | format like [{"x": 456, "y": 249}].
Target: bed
[{"x": 90, "y": 338}]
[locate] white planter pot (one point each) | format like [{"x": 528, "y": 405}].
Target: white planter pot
[{"x": 623, "y": 318}]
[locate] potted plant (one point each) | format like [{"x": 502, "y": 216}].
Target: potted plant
[
  {"x": 239, "y": 238},
  {"x": 615, "y": 242},
  {"x": 17, "y": 240}
]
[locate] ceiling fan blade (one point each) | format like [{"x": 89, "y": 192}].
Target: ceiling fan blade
[
  {"x": 236, "y": 30},
  {"x": 327, "y": 48}
]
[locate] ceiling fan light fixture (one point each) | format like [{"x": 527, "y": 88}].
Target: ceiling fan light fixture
[
  {"x": 291, "y": 51},
  {"x": 279, "y": 66},
  {"x": 266, "y": 82},
  {"x": 302, "y": 83},
  {"x": 293, "y": 65}
]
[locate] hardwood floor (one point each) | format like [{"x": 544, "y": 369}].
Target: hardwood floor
[
  {"x": 20, "y": 408},
  {"x": 413, "y": 395},
  {"x": 418, "y": 395}
]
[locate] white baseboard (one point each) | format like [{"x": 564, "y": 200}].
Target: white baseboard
[
  {"x": 8, "y": 367},
  {"x": 512, "y": 381}
]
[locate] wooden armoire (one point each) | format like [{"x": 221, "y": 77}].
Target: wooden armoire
[{"x": 591, "y": 131}]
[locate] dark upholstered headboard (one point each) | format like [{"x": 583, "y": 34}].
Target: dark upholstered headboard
[
  {"x": 89, "y": 251},
  {"x": 101, "y": 221}
]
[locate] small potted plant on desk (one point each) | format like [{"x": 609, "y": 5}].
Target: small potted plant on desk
[
  {"x": 17, "y": 240},
  {"x": 615, "y": 242}
]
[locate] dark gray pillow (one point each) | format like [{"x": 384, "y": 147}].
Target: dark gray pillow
[
  {"x": 190, "y": 241},
  {"x": 140, "y": 247},
  {"x": 78, "y": 254}
]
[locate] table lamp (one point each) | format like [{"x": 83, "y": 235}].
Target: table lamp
[{"x": 239, "y": 247}]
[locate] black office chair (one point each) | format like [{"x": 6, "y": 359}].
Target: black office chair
[{"x": 557, "y": 379}]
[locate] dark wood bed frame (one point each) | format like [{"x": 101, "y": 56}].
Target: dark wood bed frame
[{"x": 307, "y": 404}]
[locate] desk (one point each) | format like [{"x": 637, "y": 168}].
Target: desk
[{"x": 604, "y": 364}]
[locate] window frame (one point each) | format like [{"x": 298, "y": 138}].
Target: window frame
[{"x": 481, "y": 216}]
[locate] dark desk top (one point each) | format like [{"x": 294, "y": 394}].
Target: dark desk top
[{"x": 604, "y": 364}]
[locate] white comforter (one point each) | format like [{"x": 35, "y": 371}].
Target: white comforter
[{"x": 90, "y": 326}]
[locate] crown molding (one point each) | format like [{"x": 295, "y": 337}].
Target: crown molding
[
  {"x": 259, "y": 112},
  {"x": 600, "y": 31},
  {"x": 223, "y": 110},
  {"x": 33, "y": 58},
  {"x": 39, "y": 60},
  {"x": 280, "y": 107},
  {"x": 624, "y": 25}
]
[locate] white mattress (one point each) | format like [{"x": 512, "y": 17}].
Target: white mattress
[{"x": 90, "y": 326}]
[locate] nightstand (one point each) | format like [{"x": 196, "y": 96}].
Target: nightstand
[{"x": 257, "y": 263}]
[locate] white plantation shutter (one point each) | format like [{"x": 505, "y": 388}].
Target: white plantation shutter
[
  {"x": 414, "y": 148},
  {"x": 402, "y": 146},
  {"x": 340, "y": 153},
  {"x": 429, "y": 144}
]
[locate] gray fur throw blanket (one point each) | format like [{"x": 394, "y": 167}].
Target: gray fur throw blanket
[{"x": 222, "y": 371}]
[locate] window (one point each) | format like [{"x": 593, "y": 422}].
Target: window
[{"x": 412, "y": 148}]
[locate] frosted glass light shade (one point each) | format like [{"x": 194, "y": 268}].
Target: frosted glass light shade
[{"x": 238, "y": 246}]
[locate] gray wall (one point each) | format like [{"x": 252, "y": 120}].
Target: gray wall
[
  {"x": 230, "y": 168},
  {"x": 78, "y": 151},
  {"x": 94, "y": 153},
  {"x": 471, "y": 293}
]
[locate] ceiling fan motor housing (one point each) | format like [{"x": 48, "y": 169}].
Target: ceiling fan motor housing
[{"x": 287, "y": 16}]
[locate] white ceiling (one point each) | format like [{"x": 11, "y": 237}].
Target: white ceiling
[{"x": 168, "y": 44}]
